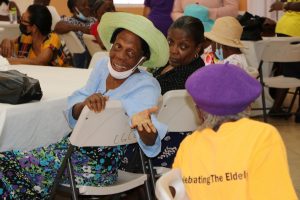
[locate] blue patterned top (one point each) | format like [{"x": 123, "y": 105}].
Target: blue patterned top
[{"x": 139, "y": 92}]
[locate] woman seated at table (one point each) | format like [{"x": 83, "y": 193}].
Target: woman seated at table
[
  {"x": 36, "y": 45},
  {"x": 26, "y": 175}
]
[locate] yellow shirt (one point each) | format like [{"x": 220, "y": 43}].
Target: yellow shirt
[
  {"x": 23, "y": 47},
  {"x": 243, "y": 160},
  {"x": 289, "y": 23}
]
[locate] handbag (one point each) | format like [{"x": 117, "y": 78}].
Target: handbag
[{"x": 17, "y": 88}]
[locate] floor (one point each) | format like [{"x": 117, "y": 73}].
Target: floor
[{"x": 290, "y": 133}]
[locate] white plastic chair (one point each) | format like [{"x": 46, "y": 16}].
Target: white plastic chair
[
  {"x": 72, "y": 42},
  {"x": 283, "y": 50},
  {"x": 170, "y": 179},
  {"x": 179, "y": 114},
  {"x": 108, "y": 128},
  {"x": 9, "y": 31},
  {"x": 96, "y": 57},
  {"x": 178, "y": 111},
  {"x": 91, "y": 44}
]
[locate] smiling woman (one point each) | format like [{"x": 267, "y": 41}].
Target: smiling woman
[{"x": 132, "y": 40}]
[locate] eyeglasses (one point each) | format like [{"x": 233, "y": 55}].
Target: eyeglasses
[{"x": 25, "y": 21}]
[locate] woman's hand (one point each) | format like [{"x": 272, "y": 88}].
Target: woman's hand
[
  {"x": 276, "y": 6},
  {"x": 7, "y": 48},
  {"x": 142, "y": 122},
  {"x": 96, "y": 102}
]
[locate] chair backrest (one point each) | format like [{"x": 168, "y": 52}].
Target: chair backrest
[
  {"x": 107, "y": 128},
  {"x": 178, "y": 111},
  {"x": 72, "y": 41},
  {"x": 10, "y": 31},
  {"x": 91, "y": 44},
  {"x": 282, "y": 50},
  {"x": 172, "y": 178},
  {"x": 96, "y": 57}
]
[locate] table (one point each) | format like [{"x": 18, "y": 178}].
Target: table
[{"x": 40, "y": 123}]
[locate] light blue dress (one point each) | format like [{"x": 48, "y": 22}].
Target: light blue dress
[
  {"x": 139, "y": 92},
  {"x": 30, "y": 175}
]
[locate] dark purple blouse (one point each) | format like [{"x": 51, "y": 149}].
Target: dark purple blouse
[{"x": 160, "y": 13}]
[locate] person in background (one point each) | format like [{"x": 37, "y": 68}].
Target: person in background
[
  {"x": 80, "y": 23},
  {"x": 36, "y": 45},
  {"x": 159, "y": 12},
  {"x": 287, "y": 26},
  {"x": 5, "y": 7},
  {"x": 185, "y": 37},
  {"x": 30, "y": 174},
  {"x": 98, "y": 9},
  {"x": 216, "y": 8},
  {"x": 201, "y": 13},
  {"x": 231, "y": 156},
  {"x": 225, "y": 45}
]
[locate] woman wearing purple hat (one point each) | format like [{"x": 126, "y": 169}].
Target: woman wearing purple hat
[{"x": 233, "y": 157}]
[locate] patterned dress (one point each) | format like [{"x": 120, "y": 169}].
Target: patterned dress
[{"x": 30, "y": 174}]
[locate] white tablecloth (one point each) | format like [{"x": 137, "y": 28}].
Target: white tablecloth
[{"x": 40, "y": 123}]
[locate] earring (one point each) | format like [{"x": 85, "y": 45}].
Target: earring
[{"x": 196, "y": 55}]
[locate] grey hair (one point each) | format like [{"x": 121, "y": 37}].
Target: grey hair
[{"x": 215, "y": 121}]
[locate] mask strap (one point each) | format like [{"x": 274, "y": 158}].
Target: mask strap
[{"x": 138, "y": 63}]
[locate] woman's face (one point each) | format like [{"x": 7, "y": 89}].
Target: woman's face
[
  {"x": 83, "y": 7},
  {"x": 126, "y": 51},
  {"x": 183, "y": 48},
  {"x": 107, "y": 6},
  {"x": 25, "y": 22}
]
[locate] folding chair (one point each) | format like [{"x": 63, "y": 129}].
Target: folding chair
[
  {"x": 96, "y": 57},
  {"x": 283, "y": 50},
  {"x": 179, "y": 114},
  {"x": 91, "y": 44},
  {"x": 73, "y": 43},
  {"x": 8, "y": 30},
  {"x": 170, "y": 179},
  {"x": 108, "y": 128}
]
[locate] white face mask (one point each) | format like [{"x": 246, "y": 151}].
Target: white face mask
[
  {"x": 80, "y": 15},
  {"x": 4, "y": 10},
  {"x": 125, "y": 74}
]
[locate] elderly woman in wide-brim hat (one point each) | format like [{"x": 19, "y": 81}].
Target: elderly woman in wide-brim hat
[
  {"x": 231, "y": 156},
  {"x": 132, "y": 41}
]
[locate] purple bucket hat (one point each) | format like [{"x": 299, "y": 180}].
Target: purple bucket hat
[{"x": 222, "y": 89}]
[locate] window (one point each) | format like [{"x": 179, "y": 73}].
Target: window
[{"x": 128, "y": 1}]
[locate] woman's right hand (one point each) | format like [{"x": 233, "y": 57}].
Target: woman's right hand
[
  {"x": 96, "y": 102},
  {"x": 7, "y": 48}
]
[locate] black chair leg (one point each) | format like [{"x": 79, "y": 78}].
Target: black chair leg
[
  {"x": 147, "y": 185},
  {"x": 61, "y": 171},
  {"x": 72, "y": 180}
]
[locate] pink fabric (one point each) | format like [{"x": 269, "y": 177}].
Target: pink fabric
[{"x": 216, "y": 8}]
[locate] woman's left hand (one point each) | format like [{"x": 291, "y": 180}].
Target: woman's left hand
[
  {"x": 276, "y": 6},
  {"x": 142, "y": 120}
]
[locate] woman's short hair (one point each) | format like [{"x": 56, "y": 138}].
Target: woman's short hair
[
  {"x": 71, "y": 4},
  {"x": 190, "y": 25},
  {"x": 40, "y": 16},
  {"x": 145, "y": 46}
]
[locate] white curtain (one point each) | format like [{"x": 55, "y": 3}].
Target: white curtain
[{"x": 261, "y": 8}]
